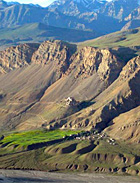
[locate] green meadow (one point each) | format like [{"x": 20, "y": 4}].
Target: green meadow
[{"x": 36, "y": 136}]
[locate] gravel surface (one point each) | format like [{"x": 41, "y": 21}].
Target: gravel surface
[{"x": 18, "y": 176}]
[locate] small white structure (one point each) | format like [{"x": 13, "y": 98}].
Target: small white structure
[{"x": 71, "y": 101}]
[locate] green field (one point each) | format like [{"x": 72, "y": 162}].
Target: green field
[{"x": 36, "y": 136}]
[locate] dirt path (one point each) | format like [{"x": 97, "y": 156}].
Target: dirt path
[{"x": 16, "y": 176}]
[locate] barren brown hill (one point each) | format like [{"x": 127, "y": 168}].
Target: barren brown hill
[{"x": 104, "y": 86}]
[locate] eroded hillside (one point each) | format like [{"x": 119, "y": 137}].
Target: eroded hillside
[{"x": 36, "y": 80}]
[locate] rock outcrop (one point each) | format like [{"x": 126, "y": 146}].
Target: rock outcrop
[
  {"x": 16, "y": 57},
  {"x": 91, "y": 60},
  {"x": 57, "y": 52}
]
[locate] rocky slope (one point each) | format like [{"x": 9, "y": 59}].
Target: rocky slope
[
  {"x": 104, "y": 86},
  {"x": 120, "y": 97},
  {"x": 127, "y": 125},
  {"x": 90, "y": 60},
  {"x": 57, "y": 51},
  {"x": 41, "y": 76},
  {"x": 55, "y": 68}
]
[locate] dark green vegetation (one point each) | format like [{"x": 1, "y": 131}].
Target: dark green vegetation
[
  {"x": 70, "y": 155},
  {"x": 38, "y": 32}
]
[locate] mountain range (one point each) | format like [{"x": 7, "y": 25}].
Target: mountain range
[
  {"x": 101, "y": 16},
  {"x": 69, "y": 91},
  {"x": 87, "y": 71}
]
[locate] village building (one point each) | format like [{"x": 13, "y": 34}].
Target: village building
[{"x": 70, "y": 101}]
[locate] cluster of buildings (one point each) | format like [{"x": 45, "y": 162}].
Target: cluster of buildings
[{"x": 92, "y": 136}]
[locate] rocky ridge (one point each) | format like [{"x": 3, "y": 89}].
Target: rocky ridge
[
  {"x": 90, "y": 60},
  {"x": 57, "y": 51},
  {"x": 16, "y": 57}
]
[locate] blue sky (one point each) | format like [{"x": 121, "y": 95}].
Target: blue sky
[{"x": 40, "y": 2}]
